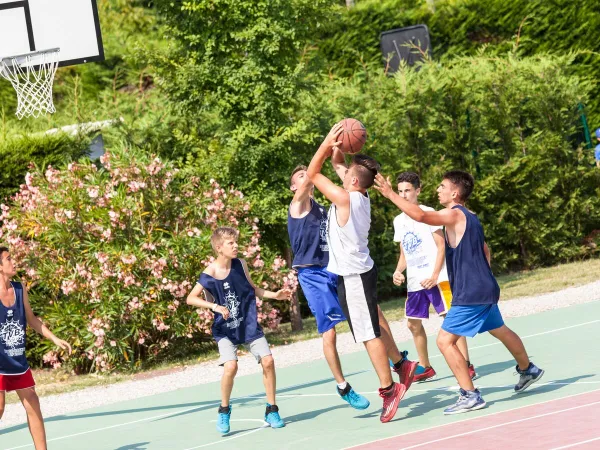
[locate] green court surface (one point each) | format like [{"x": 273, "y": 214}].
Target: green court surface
[{"x": 562, "y": 341}]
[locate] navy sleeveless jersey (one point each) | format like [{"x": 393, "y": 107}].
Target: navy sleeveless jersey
[
  {"x": 471, "y": 278},
  {"x": 236, "y": 294},
  {"x": 308, "y": 236},
  {"x": 13, "y": 324}
]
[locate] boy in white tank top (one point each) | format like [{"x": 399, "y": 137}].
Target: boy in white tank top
[{"x": 348, "y": 237}]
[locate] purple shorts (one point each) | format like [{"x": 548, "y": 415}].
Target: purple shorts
[{"x": 418, "y": 302}]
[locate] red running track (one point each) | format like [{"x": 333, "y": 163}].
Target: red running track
[{"x": 566, "y": 423}]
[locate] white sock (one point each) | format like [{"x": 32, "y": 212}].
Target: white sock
[{"x": 342, "y": 386}]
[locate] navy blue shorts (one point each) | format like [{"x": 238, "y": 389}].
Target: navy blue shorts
[
  {"x": 468, "y": 320},
  {"x": 320, "y": 289}
]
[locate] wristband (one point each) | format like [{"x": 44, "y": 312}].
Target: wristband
[{"x": 214, "y": 307}]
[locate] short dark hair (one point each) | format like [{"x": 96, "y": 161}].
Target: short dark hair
[
  {"x": 296, "y": 170},
  {"x": 409, "y": 177},
  {"x": 2, "y": 251},
  {"x": 463, "y": 180},
  {"x": 365, "y": 169}
]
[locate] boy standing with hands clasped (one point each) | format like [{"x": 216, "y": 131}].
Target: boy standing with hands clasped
[{"x": 231, "y": 295}]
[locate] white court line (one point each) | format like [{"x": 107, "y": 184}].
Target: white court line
[
  {"x": 529, "y": 336},
  {"x": 499, "y": 425},
  {"x": 293, "y": 386},
  {"x": 264, "y": 425},
  {"x": 577, "y": 443},
  {"x": 458, "y": 422}
]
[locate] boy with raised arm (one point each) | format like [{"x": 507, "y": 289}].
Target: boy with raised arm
[
  {"x": 422, "y": 255},
  {"x": 474, "y": 287},
  {"x": 15, "y": 374},
  {"x": 348, "y": 225},
  {"x": 307, "y": 229},
  {"x": 231, "y": 295}
]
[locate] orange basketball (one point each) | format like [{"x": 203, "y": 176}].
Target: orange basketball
[{"x": 353, "y": 137}]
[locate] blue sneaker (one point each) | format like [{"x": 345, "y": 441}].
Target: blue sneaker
[
  {"x": 272, "y": 417},
  {"x": 223, "y": 420},
  {"x": 528, "y": 377},
  {"x": 353, "y": 398},
  {"x": 467, "y": 401}
]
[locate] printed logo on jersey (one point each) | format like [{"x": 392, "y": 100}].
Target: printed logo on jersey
[
  {"x": 411, "y": 243},
  {"x": 12, "y": 335},
  {"x": 233, "y": 304},
  {"x": 323, "y": 235}
]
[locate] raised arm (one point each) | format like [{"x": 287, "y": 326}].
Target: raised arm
[
  {"x": 445, "y": 217},
  {"x": 34, "y": 322},
  {"x": 335, "y": 194},
  {"x": 282, "y": 294},
  {"x": 300, "y": 204},
  {"x": 338, "y": 161},
  {"x": 194, "y": 299}
]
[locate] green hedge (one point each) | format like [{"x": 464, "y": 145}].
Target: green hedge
[
  {"x": 509, "y": 121},
  {"x": 18, "y": 153},
  {"x": 460, "y": 27}
]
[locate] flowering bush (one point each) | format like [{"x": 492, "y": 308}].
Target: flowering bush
[{"x": 110, "y": 254}]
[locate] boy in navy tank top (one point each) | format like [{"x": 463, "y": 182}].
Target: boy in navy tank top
[
  {"x": 231, "y": 295},
  {"x": 348, "y": 226},
  {"x": 474, "y": 288},
  {"x": 307, "y": 229},
  {"x": 15, "y": 374}
]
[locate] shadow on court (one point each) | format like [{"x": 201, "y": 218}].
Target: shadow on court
[
  {"x": 138, "y": 446},
  {"x": 200, "y": 406}
]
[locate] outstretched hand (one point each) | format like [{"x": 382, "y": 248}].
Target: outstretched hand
[
  {"x": 383, "y": 185},
  {"x": 63, "y": 344},
  {"x": 283, "y": 294},
  {"x": 332, "y": 140}
]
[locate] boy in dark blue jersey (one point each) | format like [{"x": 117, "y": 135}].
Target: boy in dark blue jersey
[
  {"x": 231, "y": 295},
  {"x": 15, "y": 374},
  {"x": 307, "y": 229},
  {"x": 474, "y": 287}
]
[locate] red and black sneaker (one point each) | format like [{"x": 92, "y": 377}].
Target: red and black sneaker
[
  {"x": 391, "y": 400},
  {"x": 406, "y": 372},
  {"x": 428, "y": 375}
]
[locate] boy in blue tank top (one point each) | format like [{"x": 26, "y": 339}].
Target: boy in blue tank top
[
  {"x": 307, "y": 229},
  {"x": 231, "y": 295},
  {"x": 15, "y": 374},
  {"x": 474, "y": 287}
]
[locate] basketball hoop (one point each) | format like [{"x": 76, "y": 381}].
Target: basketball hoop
[{"x": 32, "y": 77}]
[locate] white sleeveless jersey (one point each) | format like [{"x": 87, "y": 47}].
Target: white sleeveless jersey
[{"x": 348, "y": 245}]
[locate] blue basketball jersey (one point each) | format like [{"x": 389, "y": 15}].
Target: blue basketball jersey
[
  {"x": 13, "y": 325},
  {"x": 471, "y": 278},
  {"x": 236, "y": 294},
  {"x": 308, "y": 237}
]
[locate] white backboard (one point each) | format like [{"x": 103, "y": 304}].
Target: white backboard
[{"x": 34, "y": 25}]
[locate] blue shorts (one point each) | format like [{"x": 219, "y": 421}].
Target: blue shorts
[
  {"x": 320, "y": 289},
  {"x": 468, "y": 320}
]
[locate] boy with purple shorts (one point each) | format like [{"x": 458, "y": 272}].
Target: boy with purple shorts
[
  {"x": 475, "y": 289},
  {"x": 422, "y": 254}
]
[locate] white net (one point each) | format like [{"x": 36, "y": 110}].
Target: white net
[{"x": 32, "y": 77}]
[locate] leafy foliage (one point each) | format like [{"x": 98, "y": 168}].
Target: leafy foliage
[{"x": 112, "y": 252}]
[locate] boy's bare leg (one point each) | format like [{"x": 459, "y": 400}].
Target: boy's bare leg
[
  {"x": 462, "y": 346},
  {"x": 332, "y": 356},
  {"x": 377, "y": 351},
  {"x": 268, "y": 365},
  {"x": 418, "y": 331},
  {"x": 31, "y": 402},
  {"x": 386, "y": 336},
  {"x": 229, "y": 372},
  {"x": 514, "y": 344},
  {"x": 446, "y": 342}
]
